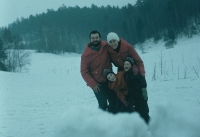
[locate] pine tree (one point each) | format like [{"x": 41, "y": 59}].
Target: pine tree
[{"x": 2, "y": 57}]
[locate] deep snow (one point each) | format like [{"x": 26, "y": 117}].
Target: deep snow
[{"x": 52, "y": 99}]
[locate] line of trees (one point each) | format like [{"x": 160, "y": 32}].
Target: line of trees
[
  {"x": 2, "y": 57},
  {"x": 67, "y": 29},
  {"x": 13, "y": 57}
]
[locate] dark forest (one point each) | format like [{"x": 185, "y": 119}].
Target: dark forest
[{"x": 67, "y": 29}]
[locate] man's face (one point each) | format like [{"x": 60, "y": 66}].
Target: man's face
[
  {"x": 95, "y": 39},
  {"x": 113, "y": 43},
  {"x": 111, "y": 77},
  {"x": 127, "y": 66}
]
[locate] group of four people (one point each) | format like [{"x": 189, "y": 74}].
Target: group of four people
[{"x": 124, "y": 91}]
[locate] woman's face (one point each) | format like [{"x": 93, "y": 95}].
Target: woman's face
[
  {"x": 113, "y": 43},
  {"x": 127, "y": 65},
  {"x": 111, "y": 77}
]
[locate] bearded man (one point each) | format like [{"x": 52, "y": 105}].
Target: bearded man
[{"x": 94, "y": 60}]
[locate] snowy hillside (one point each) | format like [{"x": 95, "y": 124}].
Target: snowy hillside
[{"x": 52, "y": 99}]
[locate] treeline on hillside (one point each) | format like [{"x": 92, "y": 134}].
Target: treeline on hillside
[{"x": 67, "y": 29}]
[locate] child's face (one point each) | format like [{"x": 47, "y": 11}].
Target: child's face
[
  {"x": 111, "y": 77},
  {"x": 127, "y": 65}
]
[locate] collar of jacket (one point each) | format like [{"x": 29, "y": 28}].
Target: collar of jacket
[
  {"x": 89, "y": 51},
  {"x": 123, "y": 46},
  {"x": 129, "y": 72}
]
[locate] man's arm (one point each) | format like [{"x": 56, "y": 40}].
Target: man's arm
[{"x": 85, "y": 72}]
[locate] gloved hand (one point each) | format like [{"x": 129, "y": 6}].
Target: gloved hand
[
  {"x": 96, "y": 89},
  {"x": 144, "y": 93},
  {"x": 125, "y": 102}
]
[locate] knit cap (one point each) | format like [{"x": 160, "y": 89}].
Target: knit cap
[
  {"x": 112, "y": 36},
  {"x": 129, "y": 59},
  {"x": 106, "y": 72}
]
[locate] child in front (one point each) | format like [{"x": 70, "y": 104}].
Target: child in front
[
  {"x": 137, "y": 85},
  {"x": 118, "y": 84}
]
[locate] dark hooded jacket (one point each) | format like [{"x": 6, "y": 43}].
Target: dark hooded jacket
[{"x": 135, "y": 83}]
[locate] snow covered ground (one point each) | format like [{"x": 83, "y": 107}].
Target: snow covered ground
[{"x": 52, "y": 100}]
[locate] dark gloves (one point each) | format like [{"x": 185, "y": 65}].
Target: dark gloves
[
  {"x": 125, "y": 102},
  {"x": 96, "y": 89},
  {"x": 144, "y": 93}
]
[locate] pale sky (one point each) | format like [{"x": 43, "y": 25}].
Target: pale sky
[{"x": 10, "y": 10}]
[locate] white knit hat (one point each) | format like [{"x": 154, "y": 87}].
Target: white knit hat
[{"x": 112, "y": 36}]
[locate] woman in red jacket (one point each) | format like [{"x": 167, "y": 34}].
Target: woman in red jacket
[{"x": 119, "y": 49}]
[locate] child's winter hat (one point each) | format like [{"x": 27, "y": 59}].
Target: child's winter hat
[
  {"x": 129, "y": 59},
  {"x": 106, "y": 72},
  {"x": 112, "y": 36}
]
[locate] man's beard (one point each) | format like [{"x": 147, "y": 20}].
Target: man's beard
[{"x": 95, "y": 44}]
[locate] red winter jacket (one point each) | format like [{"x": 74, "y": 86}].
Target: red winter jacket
[
  {"x": 93, "y": 63},
  {"x": 119, "y": 86},
  {"x": 125, "y": 50}
]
